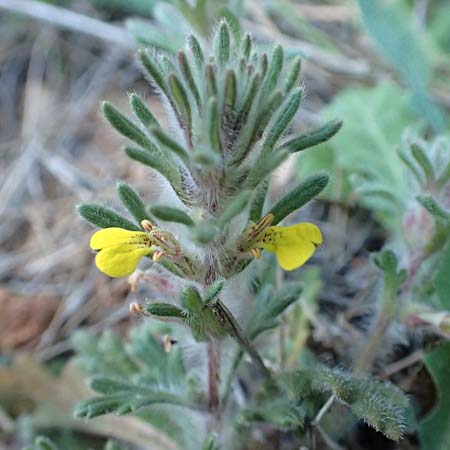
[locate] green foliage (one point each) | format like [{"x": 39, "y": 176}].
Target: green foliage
[
  {"x": 142, "y": 113},
  {"x": 133, "y": 202},
  {"x": 380, "y": 404},
  {"x": 104, "y": 217},
  {"x": 139, "y": 377},
  {"x": 230, "y": 116},
  {"x": 171, "y": 214},
  {"x": 434, "y": 432},
  {"x": 369, "y": 164},
  {"x": 210, "y": 444},
  {"x": 269, "y": 305},
  {"x": 388, "y": 25},
  {"x": 299, "y": 196},
  {"x": 43, "y": 443},
  {"x": 141, "y": 7},
  {"x": 174, "y": 20},
  {"x": 230, "y": 108},
  {"x": 442, "y": 279},
  {"x": 313, "y": 137},
  {"x": 280, "y": 413}
]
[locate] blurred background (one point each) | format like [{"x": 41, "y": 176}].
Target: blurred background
[{"x": 383, "y": 67}]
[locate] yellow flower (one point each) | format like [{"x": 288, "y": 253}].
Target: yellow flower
[
  {"x": 120, "y": 250},
  {"x": 293, "y": 245}
]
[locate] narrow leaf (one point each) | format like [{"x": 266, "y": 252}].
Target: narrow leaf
[
  {"x": 299, "y": 196},
  {"x": 171, "y": 144},
  {"x": 104, "y": 217},
  {"x": 188, "y": 77},
  {"x": 235, "y": 207},
  {"x": 133, "y": 202},
  {"x": 143, "y": 114},
  {"x": 313, "y": 137},
  {"x": 257, "y": 205},
  {"x": 171, "y": 214},
  {"x": 127, "y": 128},
  {"x": 196, "y": 51},
  {"x": 164, "y": 310},
  {"x": 222, "y": 43},
  {"x": 292, "y": 76},
  {"x": 153, "y": 70},
  {"x": 213, "y": 290},
  {"x": 158, "y": 162},
  {"x": 213, "y": 125},
  {"x": 283, "y": 118},
  {"x": 180, "y": 96}
]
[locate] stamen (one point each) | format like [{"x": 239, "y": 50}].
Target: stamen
[
  {"x": 157, "y": 255},
  {"x": 136, "y": 308},
  {"x": 147, "y": 225}
]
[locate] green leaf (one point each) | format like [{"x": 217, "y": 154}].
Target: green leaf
[
  {"x": 43, "y": 443},
  {"x": 188, "y": 77},
  {"x": 246, "y": 47},
  {"x": 442, "y": 279},
  {"x": 196, "y": 51},
  {"x": 157, "y": 162},
  {"x": 171, "y": 214},
  {"x": 273, "y": 71},
  {"x": 183, "y": 104},
  {"x": 230, "y": 92},
  {"x": 423, "y": 160},
  {"x": 235, "y": 207},
  {"x": 263, "y": 167},
  {"x": 293, "y": 75},
  {"x": 247, "y": 100},
  {"x": 299, "y": 196},
  {"x": 210, "y": 444},
  {"x": 259, "y": 198},
  {"x": 268, "y": 306},
  {"x": 203, "y": 232},
  {"x": 153, "y": 70},
  {"x": 435, "y": 209},
  {"x": 133, "y": 202},
  {"x": 314, "y": 137},
  {"x": 111, "y": 445},
  {"x": 143, "y": 114},
  {"x": 164, "y": 310},
  {"x": 213, "y": 290},
  {"x": 434, "y": 432},
  {"x": 171, "y": 144},
  {"x": 104, "y": 217},
  {"x": 191, "y": 299},
  {"x": 280, "y": 413},
  {"x": 213, "y": 125},
  {"x": 222, "y": 43},
  {"x": 388, "y": 25},
  {"x": 381, "y": 405},
  {"x": 369, "y": 150},
  {"x": 127, "y": 128},
  {"x": 283, "y": 118}
]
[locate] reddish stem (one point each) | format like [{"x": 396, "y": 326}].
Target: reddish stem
[{"x": 213, "y": 378}]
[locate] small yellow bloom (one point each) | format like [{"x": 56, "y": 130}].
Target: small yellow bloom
[
  {"x": 120, "y": 250},
  {"x": 293, "y": 245}
]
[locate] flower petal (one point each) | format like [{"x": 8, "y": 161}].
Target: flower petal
[
  {"x": 293, "y": 245},
  {"x": 120, "y": 260},
  {"x": 291, "y": 257},
  {"x": 108, "y": 237}
]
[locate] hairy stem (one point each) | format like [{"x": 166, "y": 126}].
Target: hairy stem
[
  {"x": 213, "y": 377},
  {"x": 385, "y": 317},
  {"x": 243, "y": 340}
]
